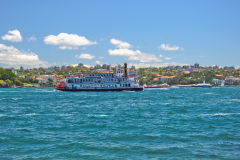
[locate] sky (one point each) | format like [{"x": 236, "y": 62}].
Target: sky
[{"x": 140, "y": 32}]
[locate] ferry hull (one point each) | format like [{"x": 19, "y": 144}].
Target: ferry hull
[{"x": 101, "y": 89}]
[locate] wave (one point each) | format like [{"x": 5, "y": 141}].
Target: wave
[
  {"x": 235, "y": 100},
  {"x": 220, "y": 114},
  {"x": 10, "y": 91},
  {"x": 15, "y": 99},
  {"x": 38, "y": 114},
  {"x": 210, "y": 93},
  {"x": 98, "y": 115}
]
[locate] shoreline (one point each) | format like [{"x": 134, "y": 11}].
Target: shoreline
[{"x": 170, "y": 85}]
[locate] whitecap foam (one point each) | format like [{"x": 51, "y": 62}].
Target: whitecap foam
[
  {"x": 102, "y": 115},
  {"x": 99, "y": 115},
  {"x": 220, "y": 114},
  {"x": 1, "y": 115},
  {"x": 235, "y": 100},
  {"x": 32, "y": 114},
  {"x": 15, "y": 99},
  {"x": 65, "y": 114},
  {"x": 209, "y": 93}
]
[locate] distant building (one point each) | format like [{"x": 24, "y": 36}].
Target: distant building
[
  {"x": 50, "y": 69},
  {"x": 108, "y": 67},
  {"x": 132, "y": 74},
  {"x": 45, "y": 78},
  {"x": 220, "y": 76},
  {"x": 196, "y": 70},
  {"x": 21, "y": 69},
  {"x": 104, "y": 66},
  {"x": 178, "y": 67},
  {"x": 232, "y": 81},
  {"x": 215, "y": 67},
  {"x": 186, "y": 67},
  {"x": 80, "y": 65},
  {"x": 229, "y": 67},
  {"x": 118, "y": 67},
  {"x": 63, "y": 68},
  {"x": 216, "y": 82},
  {"x": 196, "y": 65},
  {"x": 98, "y": 66},
  {"x": 133, "y": 67},
  {"x": 186, "y": 72},
  {"x": 166, "y": 78}
]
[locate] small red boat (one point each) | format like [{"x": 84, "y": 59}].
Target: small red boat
[
  {"x": 61, "y": 86},
  {"x": 157, "y": 86}
]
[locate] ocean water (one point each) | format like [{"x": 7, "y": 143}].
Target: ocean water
[{"x": 182, "y": 123}]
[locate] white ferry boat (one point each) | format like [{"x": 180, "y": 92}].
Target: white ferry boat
[
  {"x": 202, "y": 85},
  {"x": 102, "y": 82}
]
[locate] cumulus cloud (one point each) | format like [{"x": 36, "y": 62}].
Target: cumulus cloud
[
  {"x": 136, "y": 55},
  {"x": 167, "y": 58},
  {"x": 13, "y": 36},
  {"x": 85, "y": 56},
  {"x": 167, "y": 47},
  {"x": 67, "y": 41},
  {"x": 145, "y": 65},
  {"x": 32, "y": 38},
  {"x": 120, "y": 44},
  {"x": 12, "y": 57}
]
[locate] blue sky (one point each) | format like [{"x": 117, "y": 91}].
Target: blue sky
[{"x": 152, "y": 32}]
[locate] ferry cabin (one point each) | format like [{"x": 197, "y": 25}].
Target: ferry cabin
[{"x": 101, "y": 81}]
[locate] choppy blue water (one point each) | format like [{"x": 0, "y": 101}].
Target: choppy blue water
[{"x": 183, "y": 123}]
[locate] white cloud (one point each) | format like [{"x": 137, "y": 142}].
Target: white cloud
[
  {"x": 120, "y": 44},
  {"x": 144, "y": 57},
  {"x": 145, "y": 65},
  {"x": 98, "y": 62},
  {"x": 85, "y": 56},
  {"x": 67, "y": 41},
  {"x": 136, "y": 55},
  {"x": 167, "y": 47},
  {"x": 101, "y": 57},
  {"x": 122, "y": 52},
  {"x": 12, "y": 57},
  {"x": 13, "y": 36},
  {"x": 32, "y": 38},
  {"x": 167, "y": 58}
]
